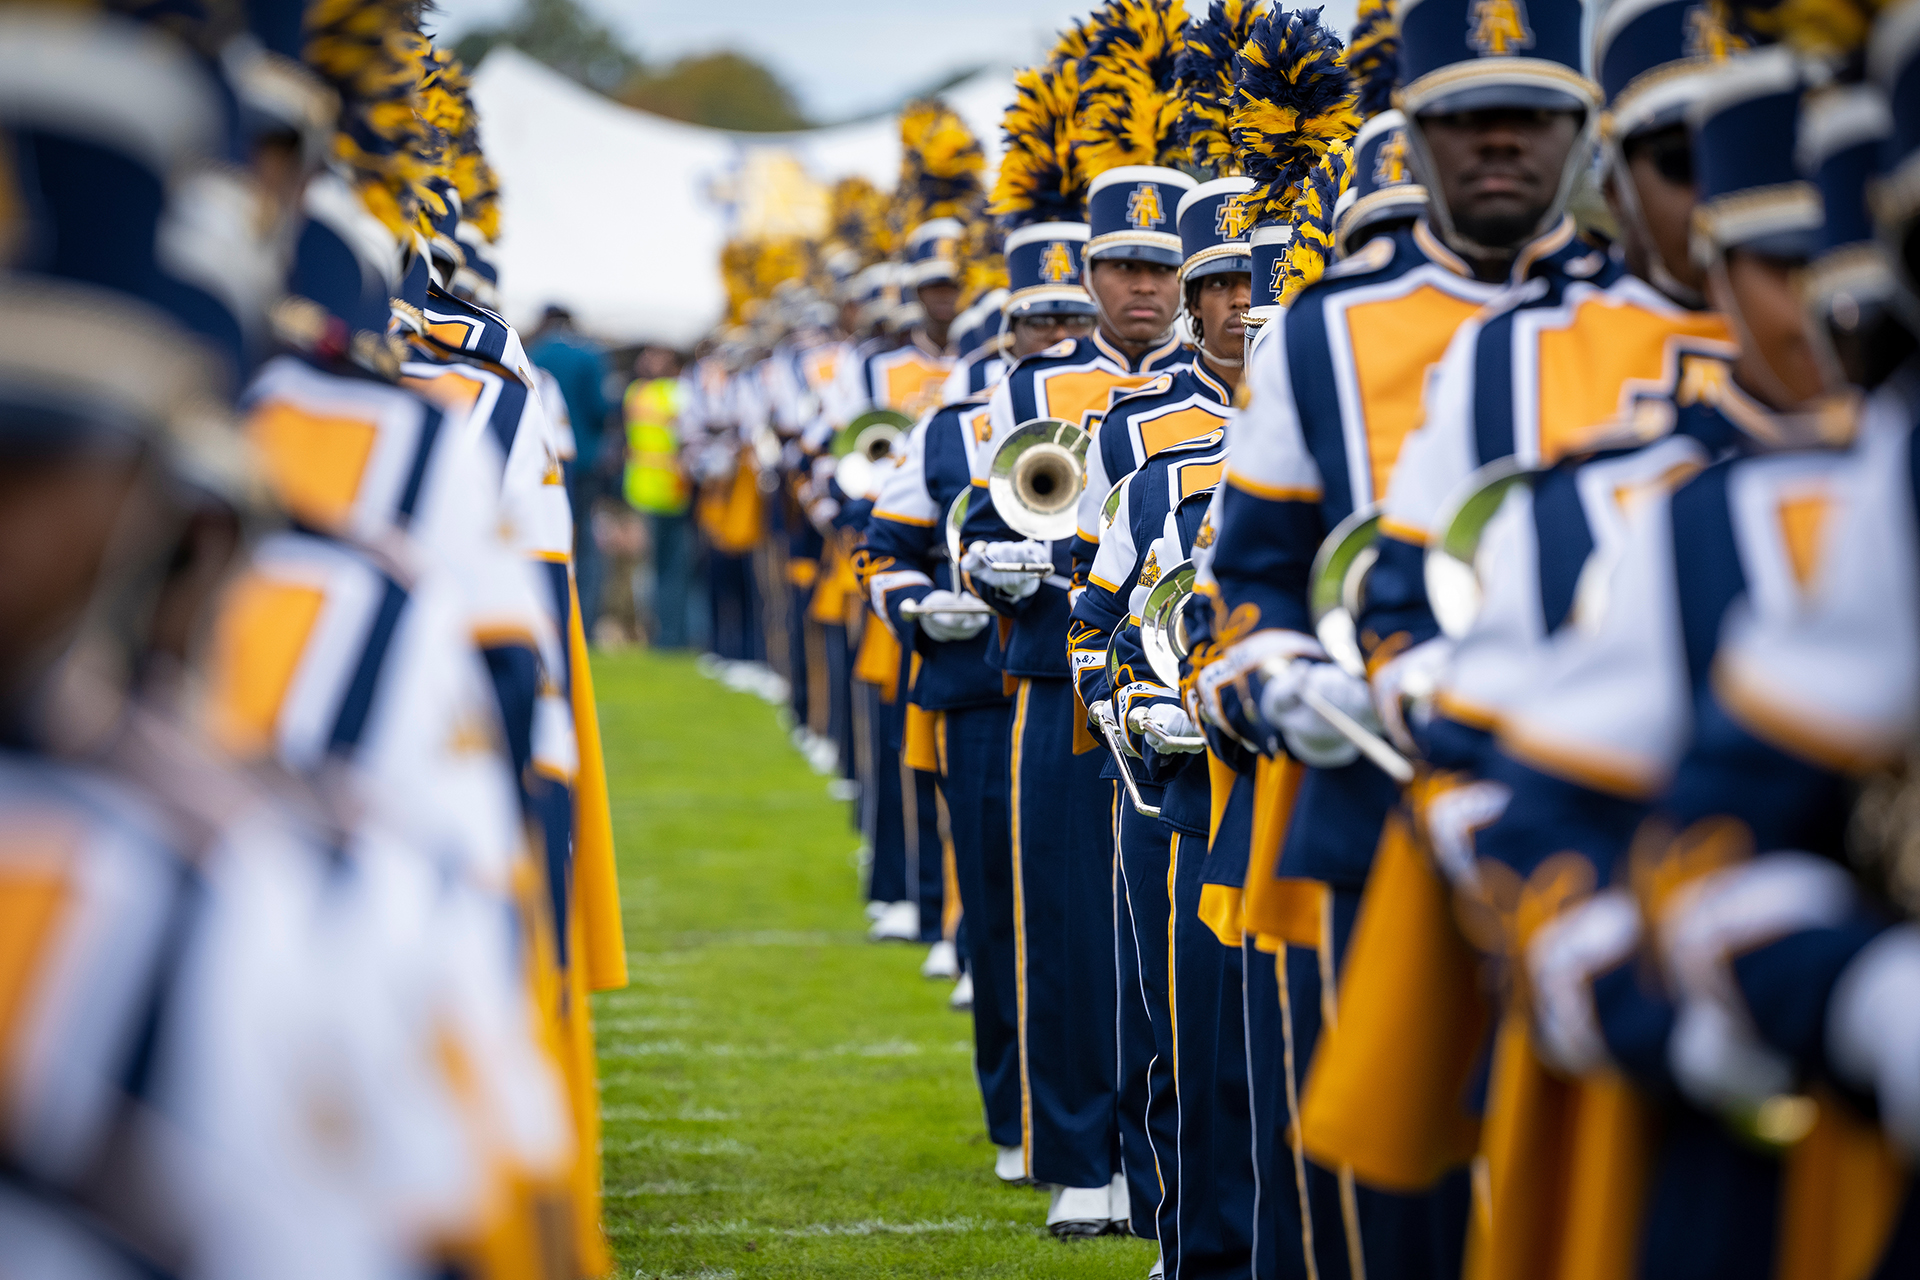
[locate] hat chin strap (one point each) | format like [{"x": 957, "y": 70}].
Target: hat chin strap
[
  {"x": 1658, "y": 273},
  {"x": 1421, "y": 160}
]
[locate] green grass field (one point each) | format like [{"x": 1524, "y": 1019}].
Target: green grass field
[{"x": 782, "y": 1098}]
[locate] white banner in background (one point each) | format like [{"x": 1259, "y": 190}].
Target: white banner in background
[{"x": 620, "y": 215}]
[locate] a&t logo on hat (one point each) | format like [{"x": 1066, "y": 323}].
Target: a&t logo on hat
[
  {"x": 1056, "y": 263},
  {"x": 1144, "y": 209},
  {"x": 1499, "y": 27},
  {"x": 1232, "y": 220}
]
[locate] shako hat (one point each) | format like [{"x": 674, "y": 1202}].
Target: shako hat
[{"x": 1046, "y": 273}]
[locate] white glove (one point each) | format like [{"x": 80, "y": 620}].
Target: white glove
[
  {"x": 946, "y": 627},
  {"x": 1308, "y": 736},
  {"x": 1013, "y": 585},
  {"x": 1163, "y": 721},
  {"x": 1403, "y": 688}
]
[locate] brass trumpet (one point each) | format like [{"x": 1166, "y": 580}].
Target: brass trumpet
[
  {"x": 1038, "y": 474},
  {"x": 872, "y": 433},
  {"x": 861, "y": 446}
]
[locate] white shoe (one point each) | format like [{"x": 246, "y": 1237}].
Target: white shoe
[
  {"x": 1080, "y": 1211},
  {"x": 1120, "y": 1204},
  {"x": 772, "y": 688},
  {"x": 961, "y": 1001},
  {"x": 873, "y": 911},
  {"x": 900, "y": 922},
  {"x": 707, "y": 665},
  {"x": 1010, "y": 1166},
  {"x": 843, "y": 788},
  {"x": 1158, "y": 1270},
  {"x": 942, "y": 961},
  {"x": 823, "y": 757}
]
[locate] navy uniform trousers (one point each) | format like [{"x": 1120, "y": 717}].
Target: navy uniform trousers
[
  {"x": 839, "y": 664},
  {"x": 1063, "y": 907},
  {"x": 1213, "y": 1220},
  {"x": 973, "y": 748},
  {"x": 926, "y": 849},
  {"x": 1146, "y": 1113},
  {"x": 1303, "y": 1208},
  {"x": 883, "y": 815}
]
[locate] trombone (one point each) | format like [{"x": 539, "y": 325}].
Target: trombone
[{"x": 862, "y": 445}]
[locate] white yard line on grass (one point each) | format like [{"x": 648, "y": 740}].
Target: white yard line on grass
[
  {"x": 686, "y": 1115},
  {"x": 682, "y": 1049},
  {"x": 679, "y": 1146},
  {"x": 867, "y": 1227}
]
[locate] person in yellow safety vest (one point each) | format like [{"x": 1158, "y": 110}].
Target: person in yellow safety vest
[{"x": 656, "y": 486}]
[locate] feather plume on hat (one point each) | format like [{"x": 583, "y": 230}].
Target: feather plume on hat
[
  {"x": 1311, "y": 248},
  {"x": 857, "y": 219},
  {"x": 1040, "y": 180},
  {"x": 447, "y": 106},
  {"x": 1292, "y": 102},
  {"x": 1373, "y": 57},
  {"x": 983, "y": 259},
  {"x": 940, "y": 165},
  {"x": 752, "y": 269},
  {"x": 1205, "y": 72},
  {"x": 1130, "y": 104},
  {"x": 1830, "y": 31},
  {"x": 368, "y": 52}
]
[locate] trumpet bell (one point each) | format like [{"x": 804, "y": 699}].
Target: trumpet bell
[
  {"x": 1038, "y": 474},
  {"x": 872, "y": 433},
  {"x": 1163, "y": 623},
  {"x": 955, "y": 521},
  {"x": 1452, "y": 564},
  {"x": 1337, "y": 582}
]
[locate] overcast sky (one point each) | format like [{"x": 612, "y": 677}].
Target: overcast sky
[{"x": 841, "y": 57}]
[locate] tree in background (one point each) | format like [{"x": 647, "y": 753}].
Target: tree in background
[
  {"x": 562, "y": 35},
  {"x": 724, "y": 90}
]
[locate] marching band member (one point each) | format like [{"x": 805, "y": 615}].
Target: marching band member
[
  {"x": 1184, "y": 1159},
  {"x": 1061, "y": 808},
  {"x": 216, "y": 1066},
  {"x": 1650, "y": 57},
  {"x": 1176, "y": 408},
  {"x": 906, "y": 564},
  {"x": 1713, "y": 556}
]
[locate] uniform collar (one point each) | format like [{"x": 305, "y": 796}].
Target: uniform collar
[
  {"x": 918, "y": 337},
  {"x": 1555, "y": 250},
  {"x": 1208, "y": 380},
  {"x": 1154, "y": 357}
]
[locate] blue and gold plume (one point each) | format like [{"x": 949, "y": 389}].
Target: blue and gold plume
[
  {"x": 940, "y": 165},
  {"x": 1373, "y": 57},
  {"x": 1040, "y": 181},
  {"x": 1130, "y": 105},
  {"x": 1205, "y": 71},
  {"x": 1292, "y": 103},
  {"x": 857, "y": 219},
  {"x": 1312, "y": 245},
  {"x": 368, "y": 53}
]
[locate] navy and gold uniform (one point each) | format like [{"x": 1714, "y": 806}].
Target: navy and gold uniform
[
  {"x": 1061, "y": 808},
  {"x": 1182, "y": 1069},
  {"x": 960, "y": 700}
]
